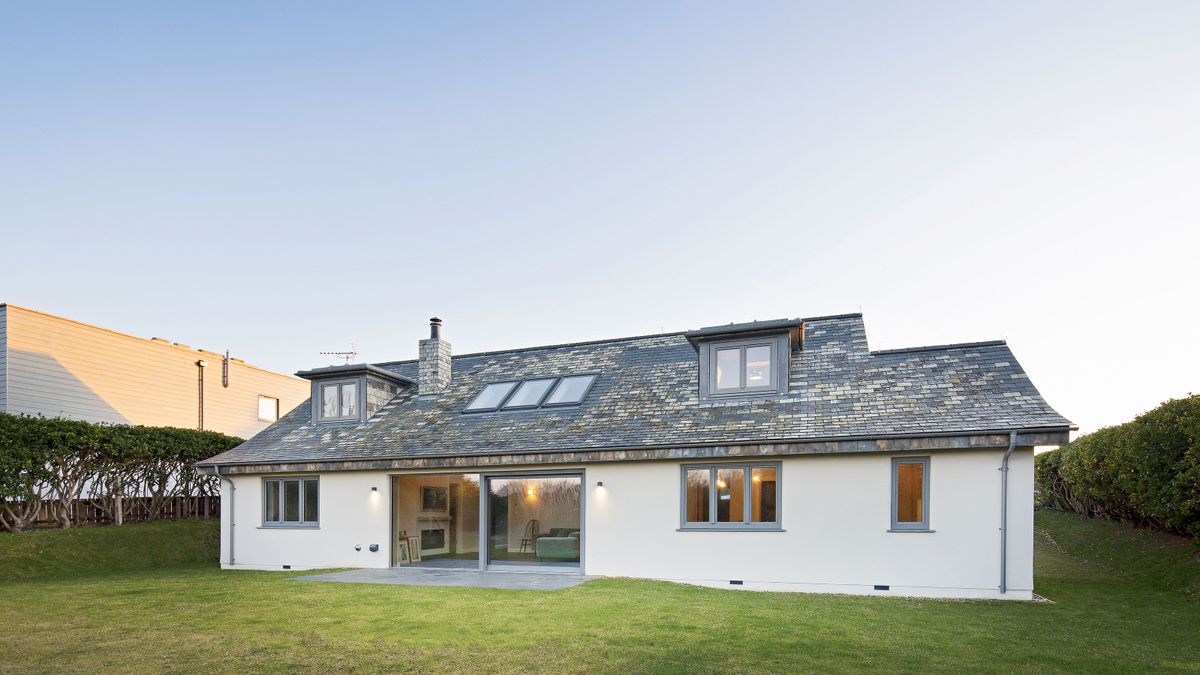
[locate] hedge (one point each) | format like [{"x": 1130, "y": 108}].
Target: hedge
[
  {"x": 59, "y": 461},
  {"x": 1145, "y": 472}
]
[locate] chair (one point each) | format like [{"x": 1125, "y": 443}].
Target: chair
[{"x": 531, "y": 534}]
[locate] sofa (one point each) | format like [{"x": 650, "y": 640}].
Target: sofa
[{"x": 559, "y": 543}]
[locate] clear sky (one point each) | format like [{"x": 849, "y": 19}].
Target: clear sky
[{"x": 285, "y": 178}]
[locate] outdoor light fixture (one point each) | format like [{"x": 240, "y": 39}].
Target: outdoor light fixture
[
  {"x": 599, "y": 483},
  {"x": 374, "y": 489},
  {"x": 529, "y": 492}
]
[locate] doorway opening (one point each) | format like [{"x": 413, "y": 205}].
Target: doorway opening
[
  {"x": 474, "y": 521},
  {"x": 435, "y": 520},
  {"x": 534, "y": 521}
]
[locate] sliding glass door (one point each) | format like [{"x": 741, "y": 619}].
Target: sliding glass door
[
  {"x": 534, "y": 520},
  {"x": 436, "y": 520}
]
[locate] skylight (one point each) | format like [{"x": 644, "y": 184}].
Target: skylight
[
  {"x": 570, "y": 390},
  {"x": 538, "y": 392},
  {"x": 492, "y": 396},
  {"x": 529, "y": 394}
]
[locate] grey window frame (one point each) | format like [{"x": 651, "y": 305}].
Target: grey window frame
[
  {"x": 272, "y": 398},
  {"x": 537, "y": 404},
  {"x": 780, "y": 355},
  {"x": 282, "y": 524},
  {"x": 541, "y": 404},
  {"x": 566, "y": 404},
  {"x": 319, "y": 397},
  {"x": 515, "y": 384},
  {"x": 745, "y": 525},
  {"x": 922, "y": 526}
]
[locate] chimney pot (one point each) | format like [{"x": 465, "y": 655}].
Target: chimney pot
[{"x": 435, "y": 328}]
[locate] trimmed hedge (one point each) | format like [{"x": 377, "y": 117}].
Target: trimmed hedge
[
  {"x": 59, "y": 461},
  {"x": 1145, "y": 472}
]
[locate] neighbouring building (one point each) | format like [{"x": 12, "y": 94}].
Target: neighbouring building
[
  {"x": 773, "y": 455},
  {"x": 57, "y": 367}
]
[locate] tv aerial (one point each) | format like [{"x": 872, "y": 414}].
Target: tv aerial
[{"x": 349, "y": 357}]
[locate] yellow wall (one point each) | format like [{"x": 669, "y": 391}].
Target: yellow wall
[{"x": 62, "y": 368}]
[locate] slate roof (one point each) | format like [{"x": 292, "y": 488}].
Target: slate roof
[{"x": 646, "y": 396}]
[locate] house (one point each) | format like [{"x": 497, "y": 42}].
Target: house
[
  {"x": 57, "y": 367},
  {"x": 773, "y": 455}
]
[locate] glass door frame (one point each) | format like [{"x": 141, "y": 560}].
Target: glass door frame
[{"x": 485, "y": 521}]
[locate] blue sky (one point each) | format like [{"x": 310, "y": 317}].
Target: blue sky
[{"x": 281, "y": 179}]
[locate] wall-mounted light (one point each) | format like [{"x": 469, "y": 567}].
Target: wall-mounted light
[
  {"x": 599, "y": 483},
  {"x": 374, "y": 489},
  {"x": 529, "y": 492}
]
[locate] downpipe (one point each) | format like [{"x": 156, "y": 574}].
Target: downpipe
[
  {"x": 232, "y": 522},
  {"x": 1012, "y": 444}
]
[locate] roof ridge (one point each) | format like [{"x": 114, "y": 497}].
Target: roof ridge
[
  {"x": 934, "y": 348},
  {"x": 851, "y": 315},
  {"x": 581, "y": 343}
]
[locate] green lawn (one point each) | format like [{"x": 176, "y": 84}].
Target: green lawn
[{"x": 1124, "y": 600}]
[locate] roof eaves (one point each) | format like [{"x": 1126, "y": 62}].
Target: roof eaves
[
  {"x": 982, "y": 431},
  {"x": 792, "y": 327},
  {"x": 353, "y": 369}
]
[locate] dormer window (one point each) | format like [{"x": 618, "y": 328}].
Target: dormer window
[
  {"x": 743, "y": 368},
  {"x": 753, "y": 366},
  {"x": 339, "y": 401},
  {"x": 353, "y": 392}
]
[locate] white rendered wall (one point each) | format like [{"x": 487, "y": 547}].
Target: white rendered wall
[
  {"x": 350, "y": 515},
  {"x": 835, "y": 511}
]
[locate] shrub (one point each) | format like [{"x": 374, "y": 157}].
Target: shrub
[
  {"x": 1145, "y": 472},
  {"x": 61, "y": 461}
]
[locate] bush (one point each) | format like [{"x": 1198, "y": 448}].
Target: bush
[
  {"x": 59, "y": 461},
  {"x": 1145, "y": 472}
]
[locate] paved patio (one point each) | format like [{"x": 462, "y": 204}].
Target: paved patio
[{"x": 415, "y": 576}]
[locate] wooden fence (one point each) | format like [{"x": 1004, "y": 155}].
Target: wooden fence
[{"x": 137, "y": 511}]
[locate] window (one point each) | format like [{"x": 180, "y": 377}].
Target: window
[
  {"x": 570, "y": 390},
  {"x": 910, "y": 493},
  {"x": 743, "y": 367},
  {"x": 530, "y": 393},
  {"x": 268, "y": 409},
  {"x": 339, "y": 401},
  {"x": 538, "y": 392},
  {"x": 492, "y": 396},
  {"x": 290, "y": 502},
  {"x": 730, "y": 497}
]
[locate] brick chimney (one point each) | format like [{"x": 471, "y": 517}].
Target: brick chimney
[{"x": 433, "y": 373}]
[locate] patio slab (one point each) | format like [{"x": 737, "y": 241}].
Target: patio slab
[{"x": 415, "y": 576}]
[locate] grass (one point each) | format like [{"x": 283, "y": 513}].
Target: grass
[{"x": 1124, "y": 600}]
